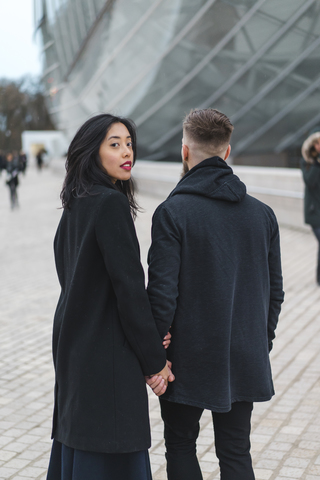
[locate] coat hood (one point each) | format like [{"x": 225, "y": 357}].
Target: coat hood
[
  {"x": 212, "y": 178},
  {"x": 307, "y": 145}
]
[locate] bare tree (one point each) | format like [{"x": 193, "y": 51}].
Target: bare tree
[{"x": 22, "y": 107}]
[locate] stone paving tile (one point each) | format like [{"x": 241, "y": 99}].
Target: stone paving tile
[{"x": 285, "y": 431}]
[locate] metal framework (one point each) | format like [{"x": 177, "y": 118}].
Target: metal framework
[
  {"x": 232, "y": 80},
  {"x": 257, "y": 56},
  {"x": 197, "y": 69},
  {"x": 227, "y": 69},
  {"x": 173, "y": 44},
  {"x": 276, "y": 81},
  {"x": 253, "y": 137},
  {"x": 290, "y": 139},
  {"x": 107, "y": 62}
]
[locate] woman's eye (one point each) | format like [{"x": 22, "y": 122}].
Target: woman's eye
[
  {"x": 114, "y": 144},
  {"x": 129, "y": 144}
]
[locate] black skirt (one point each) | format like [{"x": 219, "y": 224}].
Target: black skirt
[{"x": 69, "y": 464}]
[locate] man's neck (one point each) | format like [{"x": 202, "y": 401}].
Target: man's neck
[{"x": 192, "y": 162}]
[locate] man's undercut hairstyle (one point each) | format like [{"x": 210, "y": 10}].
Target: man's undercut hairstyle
[{"x": 209, "y": 128}]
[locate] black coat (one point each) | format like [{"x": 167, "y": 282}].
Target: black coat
[
  {"x": 13, "y": 172},
  {"x": 104, "y": 336},
  {"x": 215, "y": 276},
  {"x": 311, "y": 177}
]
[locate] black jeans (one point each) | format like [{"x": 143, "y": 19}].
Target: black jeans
[{"x": 232, "y": 441}]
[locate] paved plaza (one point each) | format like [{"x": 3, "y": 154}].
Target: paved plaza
[{"x": 285, "y": 431}]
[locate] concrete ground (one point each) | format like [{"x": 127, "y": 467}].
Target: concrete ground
[{"x": 285, "y": 431}]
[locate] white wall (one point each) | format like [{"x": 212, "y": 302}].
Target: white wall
[
  {"x": 54, "y": 142},
  {"x": 280, "y": 188}
]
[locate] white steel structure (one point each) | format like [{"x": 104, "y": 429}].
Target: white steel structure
[{"x": 258, "y": 61}]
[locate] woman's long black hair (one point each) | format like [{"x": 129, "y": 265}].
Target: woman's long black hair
[{"x": 83, "y": 164}]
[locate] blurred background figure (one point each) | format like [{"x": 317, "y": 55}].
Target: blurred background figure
[
  {"x": 2, "y": 162},
  {"x": 23, "y": 161},
  {"x": 12, "y": 167},
  {"x": 40, "y": 158},
  {"x": 310, "y": 165}
]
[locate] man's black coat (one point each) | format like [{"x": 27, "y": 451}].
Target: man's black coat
[
  {"x": 215, "y": 276},
  {"x": 104, "y": 336}
]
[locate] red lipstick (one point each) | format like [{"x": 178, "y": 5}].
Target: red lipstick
[{"x": 127, "y": 165}]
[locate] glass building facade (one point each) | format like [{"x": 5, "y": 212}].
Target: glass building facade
[{"x": 258, "y": 61}]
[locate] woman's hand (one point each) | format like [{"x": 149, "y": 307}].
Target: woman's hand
[
  {"x": 159, "y": 382},
  {"x": 167, "y": 340}
]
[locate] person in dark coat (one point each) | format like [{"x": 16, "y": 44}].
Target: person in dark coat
[
  {"x": 215, "y": 279},
  {"x": 23, "y": 161},
  {"x": 105, "y": 340},
  {"x": 39, "y": 158},
  {"x": 2, "y": 162},
  {"x": 310, "y": 166},
  {"x": 13, "y": 170}
]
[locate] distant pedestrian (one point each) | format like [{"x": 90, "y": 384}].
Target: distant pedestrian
[
  {"x": 23, "y": 162},
  {"x": 12, "y": 168},
  {"x": 310, "y": 165},
  {"x": 2, "y": 162},
  {"x": 39, "y": 158}
]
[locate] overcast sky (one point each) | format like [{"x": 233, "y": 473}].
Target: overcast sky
[{"x": 19, "y": 54}]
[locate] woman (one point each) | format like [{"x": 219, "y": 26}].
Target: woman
[
  {"x": 311, "y": 175},
  {"x": 104, "y": 337}
]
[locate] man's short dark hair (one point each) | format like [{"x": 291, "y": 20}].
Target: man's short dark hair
[{"x": 208, "y": 127}]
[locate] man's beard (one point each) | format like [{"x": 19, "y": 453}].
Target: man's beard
[{"x": 185, "y": 169}]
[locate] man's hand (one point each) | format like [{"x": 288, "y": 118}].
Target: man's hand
[
  {"x": 159, "y": 382},
  {"x": 171, "y": 377},
  {"x": 167, "y": 340}
]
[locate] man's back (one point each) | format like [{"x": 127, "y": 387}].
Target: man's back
[{"x": 215, "y": 276}]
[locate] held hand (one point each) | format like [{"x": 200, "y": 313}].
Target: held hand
[
  {"x": 171, "y": 377},
  {"x": 165, "y": 374},
  {"x": 157, "y": 384},
  {"x": 167, "y": 340}
]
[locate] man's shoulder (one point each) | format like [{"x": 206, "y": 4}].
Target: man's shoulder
[
  {"x": 258, "y": 205},
  {"x": 170, "y": 205},
  {"x": 177, "y": 208},
  {"x": 174, "y": 202}
]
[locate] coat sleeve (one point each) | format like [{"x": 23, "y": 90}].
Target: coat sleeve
[
  {"x": 118, "y": 243},
  {"x": 311, "y": 175},
  {"x": 164, "y": 267},
  {"x": 276, "y": 285}
]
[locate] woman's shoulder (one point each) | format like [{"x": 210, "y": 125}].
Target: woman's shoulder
[
  {"x": 109, "y": 199},
  {"x": 97, "y": 189},
  {"x": 100, "y": 193},
  {"x": 97, "y": 196}
]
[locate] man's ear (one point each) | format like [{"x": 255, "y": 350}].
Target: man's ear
[
  {"x": 185, "y": 152},
  {"x": 227, "y": 153}
]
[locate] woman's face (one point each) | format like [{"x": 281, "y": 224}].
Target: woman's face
[
  {"x": 316, "y": 145},
  {"x": 116, "y": 152}
]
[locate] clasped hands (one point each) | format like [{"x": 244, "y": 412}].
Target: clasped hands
[{"x": 159, "y": 382}]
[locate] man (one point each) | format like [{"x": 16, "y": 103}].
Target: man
[{"x": 215, "y": 278}]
